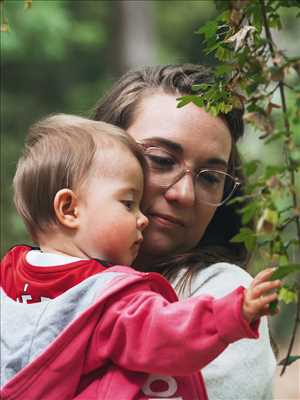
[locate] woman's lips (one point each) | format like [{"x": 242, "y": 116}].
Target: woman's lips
[{"x": 165, "y": 220}]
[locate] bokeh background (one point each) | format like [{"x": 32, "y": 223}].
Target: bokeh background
[{"x": 61, "y": 56}]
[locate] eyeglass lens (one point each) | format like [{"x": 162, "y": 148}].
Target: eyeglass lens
[{"x": 211, "y": 186}]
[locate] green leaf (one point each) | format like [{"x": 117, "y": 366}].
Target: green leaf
[
  {"x": 295, "y": 155},
  {"x": 211, "y": 46},
  {"x": 201, "y": 86},
  {"x": 283, "y": 271},
  {"x": 247, "y": 236},
  {"x": 289, "y": 360},
  {"x": 257, "y": 17},
  {"x": 274, "y": 21},
  {"x": 288, "y": 295},
  {"x": 272, "y": 170},
  {"x": 198, "y": 101},
  {"x": 275, "y": 136},
  {"x": 251, "y": 167},
  {"x": 272, "y": 307},
  {"x": 223, "y": 69},
  {"x": 223, "y": 54},
  {"x": 209, "y": 29},
  {"x": 283, "y": 259},
  {"x": 184, "y": 100},
  {"x": 249, "y": 211},
  {"x": 224, "y": 108}
]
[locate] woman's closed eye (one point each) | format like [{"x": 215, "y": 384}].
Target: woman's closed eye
[
  {"x": 210, "y": 178},
  {"x": 161, "y": 162}
]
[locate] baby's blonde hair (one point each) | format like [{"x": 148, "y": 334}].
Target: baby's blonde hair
[{"x": 58, "y": 153}]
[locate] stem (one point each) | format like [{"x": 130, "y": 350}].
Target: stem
[
  {"x": 296, "y": 324},
  {"x": 289, "y": 87},
  {"x": 292, "y": 172},
  {"x": 286, "y": 223}
]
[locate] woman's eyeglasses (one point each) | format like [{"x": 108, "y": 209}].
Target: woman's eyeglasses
[{"x": 212, "y": 187}]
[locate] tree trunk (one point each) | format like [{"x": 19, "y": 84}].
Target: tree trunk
[{"x": 135, "y": 34}]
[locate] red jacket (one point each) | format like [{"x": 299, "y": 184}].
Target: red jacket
[{"x": 118, "y": 335}]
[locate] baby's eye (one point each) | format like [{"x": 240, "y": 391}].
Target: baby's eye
[{"x": 129, "y": 204}]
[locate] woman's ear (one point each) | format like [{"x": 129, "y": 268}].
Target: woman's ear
[{"x": 66, "y": 208}]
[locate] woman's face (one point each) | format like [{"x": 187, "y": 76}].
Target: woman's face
[{"x": 177, "y": 219}]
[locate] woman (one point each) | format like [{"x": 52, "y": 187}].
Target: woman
[{"x": 194, "y": 169}]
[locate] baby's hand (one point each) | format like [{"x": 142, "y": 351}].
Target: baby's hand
[{"x": 259, "y": 295}]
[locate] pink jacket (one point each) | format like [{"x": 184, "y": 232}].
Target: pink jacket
[{"x": 118, "y": 335}]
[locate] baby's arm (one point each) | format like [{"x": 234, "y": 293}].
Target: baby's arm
[
  {"x": 246, "y": 368},
  {"x": 142, "y": 331},
  {"x": 259, "y": 295}
]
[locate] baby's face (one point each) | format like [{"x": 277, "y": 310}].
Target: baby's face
[{"x": 111, "y": 222}]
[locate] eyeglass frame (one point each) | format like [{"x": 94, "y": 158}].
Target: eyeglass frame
[{"x": 189, "y": 171}]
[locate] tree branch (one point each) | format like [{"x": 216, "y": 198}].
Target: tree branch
[{"x": 292, "y": 173}]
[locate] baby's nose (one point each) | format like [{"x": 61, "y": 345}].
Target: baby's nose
[{"x": 142, "y": 221}]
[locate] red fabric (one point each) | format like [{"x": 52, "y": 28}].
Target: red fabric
[
  {"x": 76, "y": 365},
  {"x": 136, "y": 342},
  {"x": 26, "y": 283}
]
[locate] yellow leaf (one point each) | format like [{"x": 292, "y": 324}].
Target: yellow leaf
[
  {"x": 267, "y": 221},
  {"x": 4, "y": 27},
  {"x": 27, "y": 4},
  {"x": 240, "y": 37}
]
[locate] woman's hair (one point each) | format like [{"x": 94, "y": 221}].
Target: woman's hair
[
  {"x": 119, "y": 106},
  {"x": 58, "y": 153}
]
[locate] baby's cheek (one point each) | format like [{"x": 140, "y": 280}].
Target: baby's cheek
[{"x": 117, "y": 240}]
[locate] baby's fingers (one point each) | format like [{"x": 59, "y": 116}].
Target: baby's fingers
[
  {"x": 264, "y": 275},
  {"x": 260, "y": 306},
  {"x": 264, "y": 301},
  {"x": 271, "y": 308},
  {"x": 260, "y": 295},
  {"x": 263, "y": 288}
]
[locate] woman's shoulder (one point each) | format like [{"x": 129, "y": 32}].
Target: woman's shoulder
[
  {"x": 221, "y": 270},
  {"x": 219, "y": 279}
]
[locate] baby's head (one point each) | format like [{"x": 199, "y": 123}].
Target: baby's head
[{"x": 78, "y": 187}]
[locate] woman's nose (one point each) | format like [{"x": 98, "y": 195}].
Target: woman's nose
[
  {"x": 182, "y": 191},
  {"x": 142, "y": 221}
]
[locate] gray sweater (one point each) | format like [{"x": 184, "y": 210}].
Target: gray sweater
[{"x": 246, "y": 369}]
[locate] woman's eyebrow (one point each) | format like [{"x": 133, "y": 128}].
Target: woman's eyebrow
[
  {"x": 177, "y": 148},
  {"x": 217, "y": 161},
  {"x": 169, "y": 144}
]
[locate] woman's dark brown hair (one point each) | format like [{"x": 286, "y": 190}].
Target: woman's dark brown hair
[{"x": 118, "y": 107}]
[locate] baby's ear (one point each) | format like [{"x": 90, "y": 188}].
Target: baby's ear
[{"x": 66, "y": 208}]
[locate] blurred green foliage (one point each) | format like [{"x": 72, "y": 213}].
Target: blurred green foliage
[
  {"x": 51, "y": 62},
  {"x": 59, "y": 56}
]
